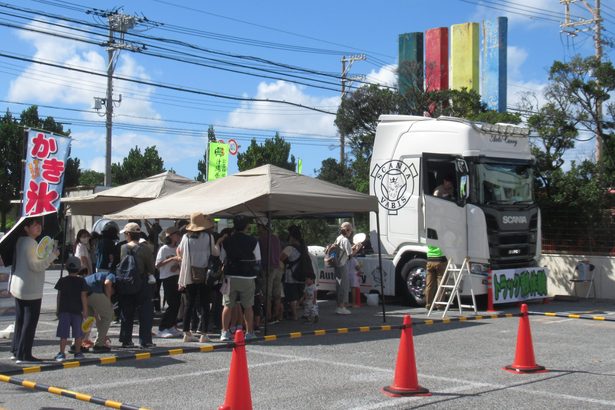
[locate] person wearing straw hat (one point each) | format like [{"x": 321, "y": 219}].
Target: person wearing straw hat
[
  {"x": 143, "y": 298},
  {"x": 194, "y": 250}
]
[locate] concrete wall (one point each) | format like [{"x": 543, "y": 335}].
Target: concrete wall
[{"x": 561, "y": 270}]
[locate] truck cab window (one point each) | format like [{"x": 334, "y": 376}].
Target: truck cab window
[
  {"x": 505, "y": 183},
  {"x": 441, "y": 178}
]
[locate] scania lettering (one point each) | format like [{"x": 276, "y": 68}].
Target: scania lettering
[{"x": 491, "y": 218}]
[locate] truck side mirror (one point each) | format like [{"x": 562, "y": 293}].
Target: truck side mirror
[
  {"x": 461, "y": 166},
  {"x": 464, "y": 188}
]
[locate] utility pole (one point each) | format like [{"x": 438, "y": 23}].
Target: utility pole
[
  {"x": 345, "y": 69},
  {"x": 570, "y": 27},
  {"x": 118, "y": 23}
]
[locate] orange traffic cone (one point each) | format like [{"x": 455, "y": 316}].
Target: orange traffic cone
[
  {"x": 238, "y": 396},
  {"x": 524, "y": 355},
  {"x": 406, "y": 381}
]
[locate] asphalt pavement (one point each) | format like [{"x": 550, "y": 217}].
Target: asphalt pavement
[{"x": 459, "y": 362}]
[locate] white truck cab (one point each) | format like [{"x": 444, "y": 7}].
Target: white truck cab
[{"x": 490, "y": 217}]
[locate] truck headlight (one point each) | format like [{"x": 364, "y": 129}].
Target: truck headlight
[{"x": 479, "y": 268}]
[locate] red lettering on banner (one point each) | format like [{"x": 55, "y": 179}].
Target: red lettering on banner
[
  {"x": 42, "y": 146},
  {"x": 52, "y": 170},
  {"x": 39, "y": 198}
]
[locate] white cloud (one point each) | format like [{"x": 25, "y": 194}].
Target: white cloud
[
  {"x": 285, "y": 117},
  {"x": 386, "y": 75},
  {"x": 526, "y": 12},
  {"x": 516, "y": 57},
  {"x": 532, "y": 90}
]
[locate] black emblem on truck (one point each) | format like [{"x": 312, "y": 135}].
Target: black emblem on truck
[{"x": 393, "y": 184}]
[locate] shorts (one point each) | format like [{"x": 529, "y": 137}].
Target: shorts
[
  {"x": 240, "y": 289},
  {"x": 293, "y": 291},
  {"x": 274, "y": 284},
  {"x": 68, "y": 321}
]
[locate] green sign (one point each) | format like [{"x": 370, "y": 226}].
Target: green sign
[
  {"x": 516, "y": 285},
  {"x": 218, "y": 161}
]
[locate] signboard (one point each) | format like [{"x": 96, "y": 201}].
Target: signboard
[
  {"x": 516, "y": 285},
  {"x": 44, "y": 171},
  {"x": 367, "y": 271},
  {"x": 218, "y": 161}
]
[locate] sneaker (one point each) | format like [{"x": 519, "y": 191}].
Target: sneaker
[
  {"x": 128, "y": 345},
  {"x": 147, "y": 346},
  {"x": 175, "y": 332},
  {"x": 84, "y": 349},
  {"x": 13, "y": 357},
  {"x": 342, "y": 311},
  {"x": 60, "y": 357},
  {"x": 250, "y": 336},
  {"x": 225, "y": 336},
  {"x": 165, "y": 334},
  {"x": 79, "y": 356},
  {"x": 30, "y": 360},
  {"x": 101, "y": 349},
  {"x": 204, "y": 339},
  {"x": 188, "y": 337}
]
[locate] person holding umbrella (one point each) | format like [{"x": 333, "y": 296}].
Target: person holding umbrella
[{"x": 26, "y": 286}]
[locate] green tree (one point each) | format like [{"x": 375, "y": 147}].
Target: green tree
[
  {"x": 137, "y": 165},
  {"x": 89, "y": 177},
  {"x": 273, "y": 151},
  {"x": 11, "y": 152},
  {"x": 202, "y": 164},
  {"x": 72, "y": 173},
  {"x": 580, "y": 86}
]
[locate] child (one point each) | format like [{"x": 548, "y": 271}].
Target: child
[
  {"x": 310, "y": 307},
  {"x": 73, "y": 307}
]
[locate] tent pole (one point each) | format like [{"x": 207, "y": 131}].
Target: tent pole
[
  {"x": 266, "y": 264},
  {"x": 384, "y": 317}
]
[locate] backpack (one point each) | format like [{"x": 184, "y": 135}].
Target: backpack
[
  {"x": 333, "y": 255},
  {"x": 128, "y": 279},
  {"x": 302, "y": 267}
]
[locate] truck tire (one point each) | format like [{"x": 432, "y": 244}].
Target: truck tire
[{"x": 413, "y": 279}]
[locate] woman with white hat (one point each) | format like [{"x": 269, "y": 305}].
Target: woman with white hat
[{"x": 194, "y": 249}]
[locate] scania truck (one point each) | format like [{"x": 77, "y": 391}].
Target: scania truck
[{"x": 491, "y": 217}]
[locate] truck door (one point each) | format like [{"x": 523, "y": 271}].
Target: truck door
[{"x": 443, "y": 206}]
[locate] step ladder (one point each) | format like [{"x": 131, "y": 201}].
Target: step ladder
[{"x": 452, "y": 280}]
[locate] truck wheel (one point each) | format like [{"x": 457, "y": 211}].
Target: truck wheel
[{"x": 413, "y": 277}]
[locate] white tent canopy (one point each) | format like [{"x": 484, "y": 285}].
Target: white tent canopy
[
  {"x": 264, "y": 190},
  {"x": 124, "y": 196}
]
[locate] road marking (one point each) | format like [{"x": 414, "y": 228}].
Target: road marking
[{"x": 467, "y": 384}]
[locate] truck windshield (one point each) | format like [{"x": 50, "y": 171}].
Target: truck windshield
[{"x": 505, "y": 183}]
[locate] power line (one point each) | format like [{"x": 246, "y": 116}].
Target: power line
[{"x": 168, "y": 86}]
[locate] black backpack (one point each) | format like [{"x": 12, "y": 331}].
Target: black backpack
[
  {"x": 302, "y": 267},
  {"x": 128, "y": 279}
]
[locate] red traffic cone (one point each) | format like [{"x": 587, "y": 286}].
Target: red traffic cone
[
  {"x": 238, "y": 396},
  {"x": 524, "y": 355},
  {"x": 406, "y": 381}
]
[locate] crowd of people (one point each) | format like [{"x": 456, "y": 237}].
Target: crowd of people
[{"x": 111, "y": 279}]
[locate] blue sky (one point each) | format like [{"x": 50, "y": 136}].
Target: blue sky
[{"x": 310, "y": 35}]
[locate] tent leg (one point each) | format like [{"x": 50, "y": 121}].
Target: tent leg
[{"x": 384, "y": 317}]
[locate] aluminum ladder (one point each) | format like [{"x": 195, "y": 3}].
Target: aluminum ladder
[{"x": 452, "y": 280}]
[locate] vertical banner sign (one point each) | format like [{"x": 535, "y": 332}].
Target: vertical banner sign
[
  {"x": 300, "y": 166},
  {"x": 44, "y": 171},
  {"x": 218, "y": 161}
]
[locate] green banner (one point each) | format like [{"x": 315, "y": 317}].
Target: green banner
[
  {"x": 300, "y": 166},
  {"x": 218, "y": 161}
]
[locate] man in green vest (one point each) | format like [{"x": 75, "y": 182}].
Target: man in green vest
[{"x": 436, "y": 265}]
